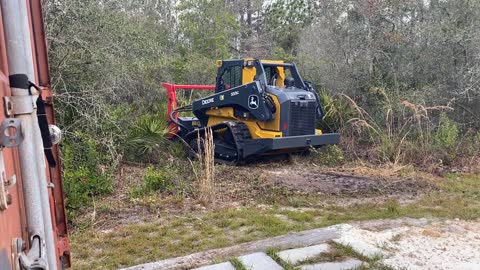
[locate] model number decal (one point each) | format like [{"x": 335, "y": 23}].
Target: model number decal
[
  {"x": 208, "y": 101},
  {"x": 234, "y": 93}
]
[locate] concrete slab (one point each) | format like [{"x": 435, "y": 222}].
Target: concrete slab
[
  {"x": 354, "y": 238},
  {"x": 360, "y": 247},
  {"x": 295, "y": 256},
  {"x": 343, "y": 265},
  {"x": 220, "y": 266},
  {"x": 259, "y": 261}
]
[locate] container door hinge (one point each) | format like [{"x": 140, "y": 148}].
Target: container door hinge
[{"x": 33, "y": 260}]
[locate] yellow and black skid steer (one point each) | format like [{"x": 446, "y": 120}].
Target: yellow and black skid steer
[{"x": 260, "y": 107}]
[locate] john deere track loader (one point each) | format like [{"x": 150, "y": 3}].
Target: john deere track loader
[{"x": 259, "y": 108}]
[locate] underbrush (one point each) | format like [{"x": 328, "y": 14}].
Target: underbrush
[
  {"x": 141, "y": 139},
  {"x": 173, "y": 174},
  {"x": 399, "y": 133},
  {"x": 155, "y": 180},
  {"x": 86, "y": 171},
  {"x": 390, "y": 129},
  {"x": 146, "y": 136},
  {"x": 329, "y": 155},
  {"x": 180, "y": 176}
]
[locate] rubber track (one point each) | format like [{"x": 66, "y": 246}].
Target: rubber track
[{"x": 240, "y": 133}]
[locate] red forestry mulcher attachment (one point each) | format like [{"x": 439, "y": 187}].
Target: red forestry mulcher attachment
[{"x": 172, "y": 102}]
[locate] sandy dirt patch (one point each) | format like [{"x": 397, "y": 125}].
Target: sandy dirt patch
[{"x": 438, "y": 245}]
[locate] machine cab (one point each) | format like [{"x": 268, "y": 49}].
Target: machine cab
[{"x": 233, "y": 73}]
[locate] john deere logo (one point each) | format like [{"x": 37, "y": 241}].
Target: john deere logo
[
  {"x": 208, "y": 101},
  {"x": 253, "y": 102}
]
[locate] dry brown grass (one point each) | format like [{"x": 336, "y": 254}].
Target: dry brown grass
[
  {"x": 403, "y": 135},
  {"x": 206, "y": 174}
]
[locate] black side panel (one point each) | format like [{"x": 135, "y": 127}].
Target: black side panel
[{"x": 248, "y": 97}]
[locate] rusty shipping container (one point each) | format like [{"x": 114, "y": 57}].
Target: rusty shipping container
[{"x": 33, "y": 225}]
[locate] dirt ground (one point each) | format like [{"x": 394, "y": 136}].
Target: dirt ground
[
  {"x": 348, "y": 185},
  {"x": 342, "y": 186},
  {"x": 264, "y": 183}
]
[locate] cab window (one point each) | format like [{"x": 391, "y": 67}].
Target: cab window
[{"x": 231, "y": 77}]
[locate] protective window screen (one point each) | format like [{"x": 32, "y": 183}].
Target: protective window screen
[
  {"x": 271, "y": 74},
  {"x": 188, "y": 96},
  {"x": 232, "y": 77},
  {"x": 288, "y": 72}
]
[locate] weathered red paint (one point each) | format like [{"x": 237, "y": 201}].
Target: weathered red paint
[
  {"x": 12, "y": 220},
  {"x": 172, "y": 100}
]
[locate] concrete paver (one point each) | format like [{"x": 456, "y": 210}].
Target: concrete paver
[
  {"x": 344, "y": 265},
  {"x": 220, "y": 266},
  {"x": 297, "y": 255},
  {"x": 350, "y": 237},
  {"x": 259, "y": 261}
]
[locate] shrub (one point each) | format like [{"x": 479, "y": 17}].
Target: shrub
[
  {"x": 158, "y": 180},
  {"x": 445, "y": 139},
  {"x": 473, "y": 144},
  {"x": 446, "y": 136},
  {"x": 83, "y": 173},
  {"x": 328, "y": 155},
  {"x": 337, "y": 112},
  {"x": 175, "y": 178}
]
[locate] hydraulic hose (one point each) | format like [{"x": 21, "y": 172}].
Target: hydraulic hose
[{"x": 181, "y": 109}]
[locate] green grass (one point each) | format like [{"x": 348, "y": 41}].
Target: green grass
[
  {"x": 177, "y": 235},
  {"x": 272, "y": 252},
  {"x": 300, "y": 216},
  {"x": 465, "y": 185},
  {"x": 237, "y": 264}
]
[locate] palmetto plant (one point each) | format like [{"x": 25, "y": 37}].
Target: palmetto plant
[{"x": 148, "y": 135}]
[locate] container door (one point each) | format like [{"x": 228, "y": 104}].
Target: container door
[{"x": 12, "y": 214}]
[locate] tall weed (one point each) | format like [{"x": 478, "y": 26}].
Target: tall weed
[
  {"x": 204, "y": 167},
  {"x": 394, "y": 130},
  {"x": 337, "y": 111}
]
